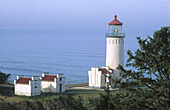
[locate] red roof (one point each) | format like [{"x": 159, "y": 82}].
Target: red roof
[
  {"x": 115, "y": 21},
  {"x": 23, "y": 81},
  {"x": 110, "y": 69},
  {"x": 105, "y": 71},
  {"x": 49, "y": 78}
]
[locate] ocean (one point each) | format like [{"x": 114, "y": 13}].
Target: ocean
[{"x": 72, "y": 53}]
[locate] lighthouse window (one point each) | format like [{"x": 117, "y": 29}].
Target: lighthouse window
[{"x": 111, "y": 29}]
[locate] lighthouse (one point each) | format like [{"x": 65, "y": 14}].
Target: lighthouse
[
  {"x": 115, "y": 46},
  {"x": 100, "y": 77}
]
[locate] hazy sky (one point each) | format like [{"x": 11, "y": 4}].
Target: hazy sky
[{"x": 88, "y": 15}]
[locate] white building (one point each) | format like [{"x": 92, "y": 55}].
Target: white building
[
  {"x": 114, "y": 55},
  {"x": 97, "y": 77},
  {"x": 52, "y": 83},
  {"x": 27, "y": 86}
]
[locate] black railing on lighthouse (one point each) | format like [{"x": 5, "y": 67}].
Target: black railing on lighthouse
[{"x": 115, "y": 34}]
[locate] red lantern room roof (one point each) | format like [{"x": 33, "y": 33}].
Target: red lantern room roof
[{"x": 115, "y": 21}]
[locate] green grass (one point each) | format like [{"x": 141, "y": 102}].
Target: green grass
[
  {"x": 75, "y": 94},
  {"x": 51, "y": 101},
  {"x": 55, "y": 95}
]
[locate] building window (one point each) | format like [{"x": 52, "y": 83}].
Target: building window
[
  {"x": 35, "y": 86},
  {"x": 60, "y": 79}
]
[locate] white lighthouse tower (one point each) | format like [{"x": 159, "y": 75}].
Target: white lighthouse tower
[
  {"x": 114, "y": 57},
  {"x": 115, "y": 46}
]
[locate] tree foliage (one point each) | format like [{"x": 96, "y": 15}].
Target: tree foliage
[
  {"x": 151, "y": 59},
  {"x": 3, "y": 77}
]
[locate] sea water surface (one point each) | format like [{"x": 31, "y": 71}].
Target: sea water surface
[{"x": 72, "y": 53}]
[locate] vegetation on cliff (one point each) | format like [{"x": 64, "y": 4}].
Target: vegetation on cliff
[{"x": 4, "y": 77}]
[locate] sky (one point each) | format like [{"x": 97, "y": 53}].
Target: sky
[{"x": 83, "y": 15}]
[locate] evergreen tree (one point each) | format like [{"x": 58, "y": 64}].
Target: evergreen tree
[{"x": 151, "y": 59}]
